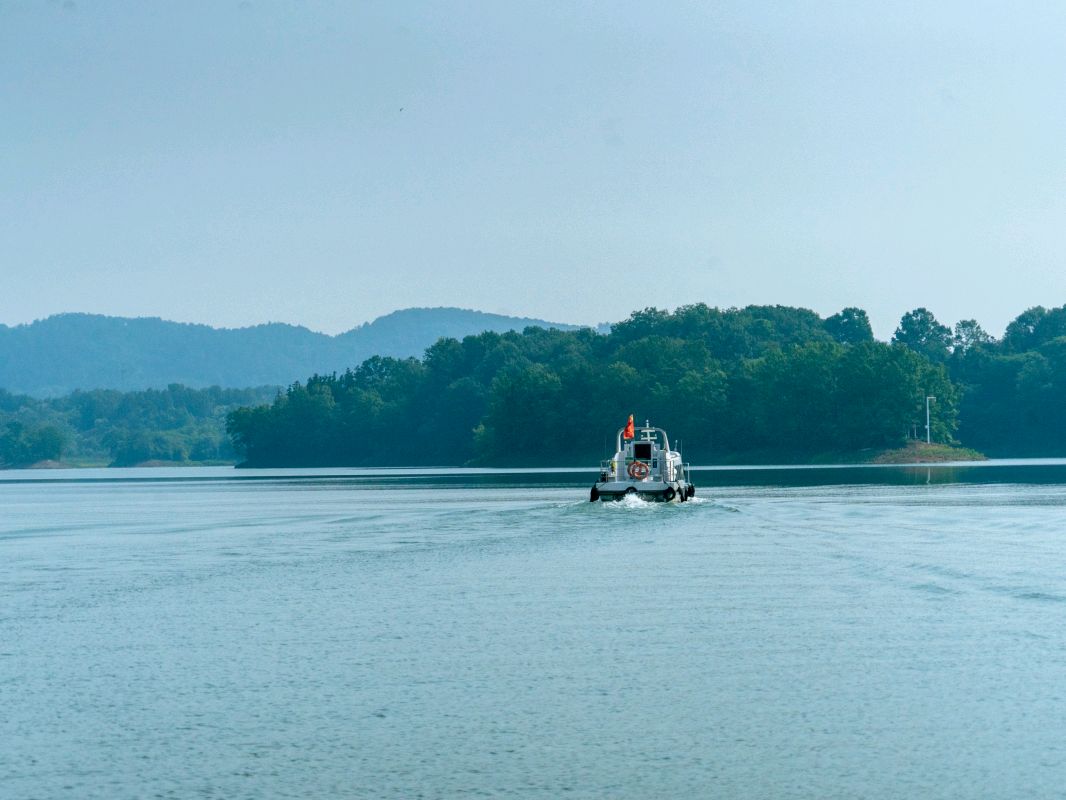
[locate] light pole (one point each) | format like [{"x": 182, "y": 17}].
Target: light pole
[{"x": 928, "y": 437}]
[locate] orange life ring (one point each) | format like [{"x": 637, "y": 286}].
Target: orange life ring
[{"x": 638, "y": 470}]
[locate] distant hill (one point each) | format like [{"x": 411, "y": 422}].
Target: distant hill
[{"x": 56, "y": 355}]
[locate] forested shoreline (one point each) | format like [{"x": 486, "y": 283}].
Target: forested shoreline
[
  {"x": 761, "y": 383},
  {"x": 110, "y": 428},
  {"x": 757, "y": 384}
]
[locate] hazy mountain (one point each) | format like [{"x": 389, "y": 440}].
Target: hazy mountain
[{"x": 88, "y": 351}]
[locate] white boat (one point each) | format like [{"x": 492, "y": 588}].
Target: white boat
[{"x": 645, "y": 466}]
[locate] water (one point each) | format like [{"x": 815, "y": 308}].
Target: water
[{"x": 876, "y": 633}]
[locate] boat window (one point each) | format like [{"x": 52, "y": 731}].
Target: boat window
[{"x": 642, "y": 450}]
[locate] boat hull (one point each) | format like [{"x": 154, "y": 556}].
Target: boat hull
[{"x": 651, "y": 491}]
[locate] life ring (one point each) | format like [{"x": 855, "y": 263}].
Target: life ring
[{"x": 638, "y": 470}]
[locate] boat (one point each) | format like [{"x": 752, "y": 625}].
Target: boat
[{"x": 643, "y": 466}]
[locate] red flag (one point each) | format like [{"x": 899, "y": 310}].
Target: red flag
[{"x": 629, "y": 433}]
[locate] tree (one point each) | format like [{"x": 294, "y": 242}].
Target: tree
[
  {"x": 13, "y": 444},
  {"x": 1034, "y": 328},
  {"x": 969, "y": 334},
  {"x": 46, "y": 444},
  {"x": 1021, "y": 332},
  {"x": 921, "y": 332},
  {"x": 850, "y": 326},
  {"x": 21, "y": 445},
  {"x": 522, "y": 415},
  {"x": 882, "y": 393}
]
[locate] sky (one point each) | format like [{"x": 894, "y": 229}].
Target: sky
[{"x": 324, "y": 163}]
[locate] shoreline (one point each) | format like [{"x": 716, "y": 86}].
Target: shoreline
[{"x": 915, "y": 453}]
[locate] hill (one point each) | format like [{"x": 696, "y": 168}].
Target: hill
[{"x": 62, "y": 353}]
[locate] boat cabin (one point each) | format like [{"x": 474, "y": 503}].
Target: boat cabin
[{"x": 650, "y": 451}]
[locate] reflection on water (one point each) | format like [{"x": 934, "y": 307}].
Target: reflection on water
[
  {"x": 798, "y": 632},
  {"x": 1011, "y": 471},
  {"x": 1047, "y": 471}
]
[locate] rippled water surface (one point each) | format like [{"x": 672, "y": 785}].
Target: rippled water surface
[{"x": 875, "y": 633}]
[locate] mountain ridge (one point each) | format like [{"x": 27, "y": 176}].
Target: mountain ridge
[{"x": 73, "y": 350}]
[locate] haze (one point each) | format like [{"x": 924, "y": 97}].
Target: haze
[{"x": 325, "y": 163}]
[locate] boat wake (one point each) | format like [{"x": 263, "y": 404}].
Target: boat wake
[{"x": 634, "y": 502}]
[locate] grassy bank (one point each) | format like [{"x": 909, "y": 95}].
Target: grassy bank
[
  {"x": 915, "y": 452},
  {"x": 922, "y": 453}
]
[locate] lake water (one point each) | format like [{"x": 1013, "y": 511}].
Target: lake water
[{"x": 797, "y": 633}]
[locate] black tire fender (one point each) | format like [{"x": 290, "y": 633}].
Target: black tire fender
[
  {"x": 669, "y": 494},
  {"x": 594, "y": 495}
]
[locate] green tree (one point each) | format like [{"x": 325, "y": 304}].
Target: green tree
[
  {"x": 22, "y": 445},
  {"x": 920, "y": 331},
  {"x": 522, "y": 416},
  {"x": 968, "y": 335},
  {"x": 881, "y": 397},
  {"x": 46, "y": 444},
  {"x": 850, "y": 326}
]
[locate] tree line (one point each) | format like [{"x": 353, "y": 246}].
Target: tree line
[
  {"x": 761, "y": 383},
  {"x": 103, "y": 426}
]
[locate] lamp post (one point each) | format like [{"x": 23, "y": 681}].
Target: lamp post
[{"x": 928, "y": 437}]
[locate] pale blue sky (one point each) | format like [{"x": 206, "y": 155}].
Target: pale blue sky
[{"x": 325, "y": 163}]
